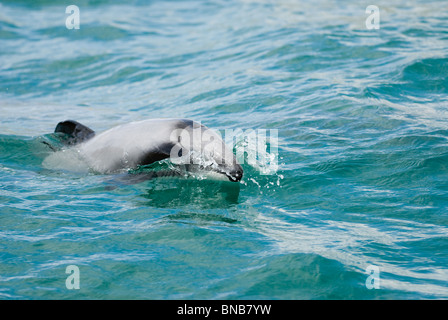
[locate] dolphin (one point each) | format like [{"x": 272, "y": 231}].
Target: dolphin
[{"x": 135, "y": 144}]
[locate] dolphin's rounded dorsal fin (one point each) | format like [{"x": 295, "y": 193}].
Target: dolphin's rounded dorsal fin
[{"x": 75, "y": 132}]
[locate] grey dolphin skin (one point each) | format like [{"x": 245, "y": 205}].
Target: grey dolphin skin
[{"x": 141, "y": 143}]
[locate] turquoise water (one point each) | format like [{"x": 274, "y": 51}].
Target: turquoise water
[{"x": 362, "y": 175}]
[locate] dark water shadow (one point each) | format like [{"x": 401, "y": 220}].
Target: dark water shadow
[{"x": 190, "y": 193}]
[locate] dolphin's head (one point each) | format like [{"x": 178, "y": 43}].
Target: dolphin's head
[
  {"x": 206, "y": 148},
  {"x": 220, "y": 155}
]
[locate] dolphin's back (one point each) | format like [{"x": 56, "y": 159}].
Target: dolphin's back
[{"x": 131, "y": 145}]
